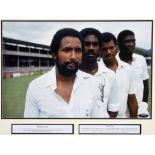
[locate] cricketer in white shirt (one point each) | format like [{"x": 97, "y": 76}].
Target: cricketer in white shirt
[
  {"x": 140, "y": 72},
  {"x": 127, "y": 86},
  {"x": 112, "y": 87},
  {"x": 43, "y": 102}
]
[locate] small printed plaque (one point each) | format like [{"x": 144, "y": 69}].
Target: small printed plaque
[
  {"x": 42, "y": 129},
  {"x": 110, "y": 129}
]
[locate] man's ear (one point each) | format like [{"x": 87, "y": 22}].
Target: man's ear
[
  {"x": 54, "y": 56},
  {"x": 117, "y": 48}
]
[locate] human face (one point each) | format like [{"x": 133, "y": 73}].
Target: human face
[
  {"x": 91, "y": 48},
  {"x": 108, "y": 51},
  {"x": 129, "y": 43},
  {"x": 69, "y": 56}
]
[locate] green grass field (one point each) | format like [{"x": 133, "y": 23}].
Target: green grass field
[
  {"x": 14, "y": 91},
  {"x": 13, "y": 96}
]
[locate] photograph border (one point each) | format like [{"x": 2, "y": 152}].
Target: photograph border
[
  {"x": 111, "y": 133},
  {"x": 80, "y": 21},
  {"x": 42, "y": 133}
]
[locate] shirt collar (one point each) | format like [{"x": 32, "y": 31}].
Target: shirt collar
[
  {"x": 51, "y": 78},
  {"x": 134, "y": 57},
  {"x": 80, "y": 78},
  {"x": 102, "y": 68},
  {"x": 119, "y": 62}
]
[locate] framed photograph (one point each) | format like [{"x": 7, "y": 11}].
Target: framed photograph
[{"x": 27, "y": 54}]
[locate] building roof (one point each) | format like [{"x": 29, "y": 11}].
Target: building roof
[{"x": 15, "y": 41}]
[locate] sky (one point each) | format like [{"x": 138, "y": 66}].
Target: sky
[{"x": 42, "y": 31}]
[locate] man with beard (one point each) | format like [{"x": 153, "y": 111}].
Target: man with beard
[
  {"x": 108, "y": 51},
  {"x": 126, "y": 42},
  {"x": 65, "y": 91},
  {"x": 109, "y": 83}
]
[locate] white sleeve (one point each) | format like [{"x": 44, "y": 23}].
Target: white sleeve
[
  {"x": 99, "y": 107},
  {"x": 114, "y": 99},
  {"x": 145, "y": 71},
  {"x": 31, "y": 110}
]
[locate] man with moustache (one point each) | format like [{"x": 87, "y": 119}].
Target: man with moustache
[
  {"x": 109, "y": 83},
  {"x": 65, "y": 91},
  {"x": 126, "y": 42},
  {"x": 92, "y": 42},
  {"x": 108, "y": 51}
]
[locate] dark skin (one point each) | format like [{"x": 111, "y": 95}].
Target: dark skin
[
  {"x": 108, "y": 53},
  {"x": 132, "y": 105},
  {"x": 146, "y": 90},
  {"x": 91, "y": 69},
  {"x": 126, "y": 50},
  {"x": 70, "y": 49},
  {"x": 112, "y": 114},
  {"x": 91, "y": 49},
  {"x": 64, "y": 86},
  {"x": 89, "y": 62}
]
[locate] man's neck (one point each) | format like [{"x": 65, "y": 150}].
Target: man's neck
[
  {"x": 113, "y": 65},
  {"x": 88, "y": 67},
  {"x": 65, "y": 79},
  {"x": 126, "y": 58},
  {"x": 64, "y": 86}
]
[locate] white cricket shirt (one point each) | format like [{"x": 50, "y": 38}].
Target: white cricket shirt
[
  {"x": 112, "y": 87},
  {"x": 43, "y": 102},
  {"x": 139, "y": 68},
  {"x": 124, "y": 73}
]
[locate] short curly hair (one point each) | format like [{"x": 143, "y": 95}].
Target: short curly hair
[
  {"x": 60, "y": 34},
  {"x": 107, "y": 36},
  {"x": 123, "y": 34},
  {"x": 91, "y": 31}
]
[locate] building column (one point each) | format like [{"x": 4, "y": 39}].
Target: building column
[
  {"x": 4, "y": 57},
  {"x": 47, "y": 62},
  {"x": 18, "y": 62},
  {"x": 18, "y": 57}
]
